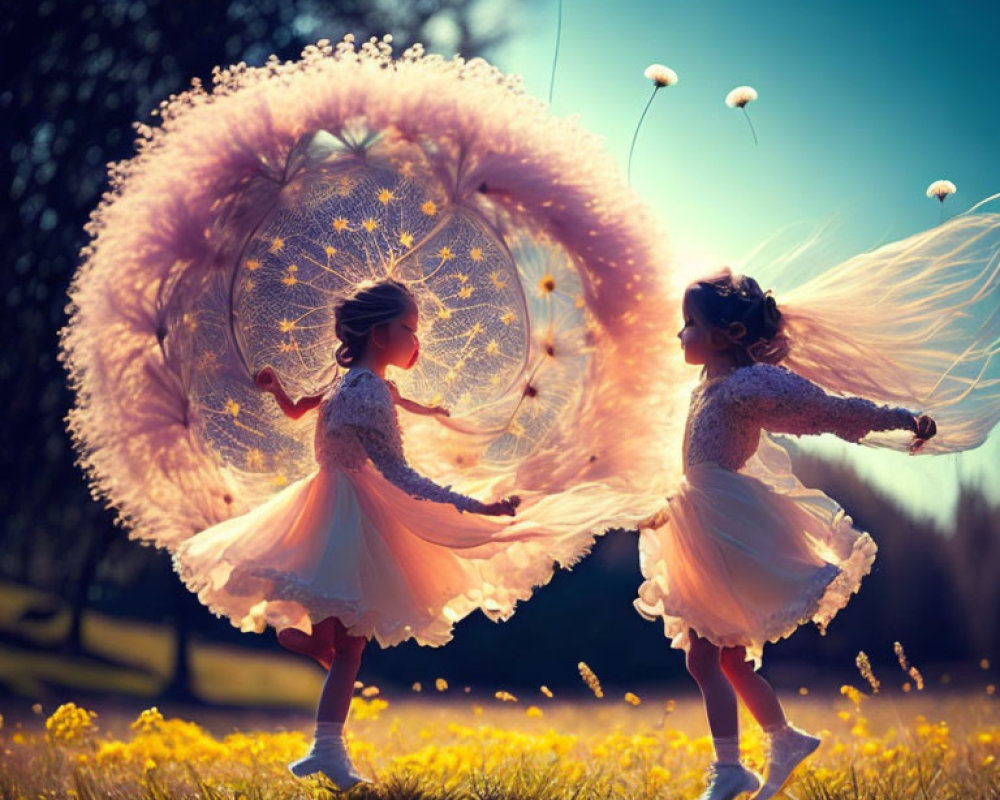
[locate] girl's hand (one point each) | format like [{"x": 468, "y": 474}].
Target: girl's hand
[
  {"x": 266, "y": 379},
  {"x": 658, "y": 520},
  {"x": 502, "y": 508},
  {"x": 924, "y": 428}
]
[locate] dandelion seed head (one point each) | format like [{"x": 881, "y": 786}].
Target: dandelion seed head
[
  {"x": 660, "y": 75},
  {"x": 941, "y": 189},
  {"x": 740, "y": 96}
]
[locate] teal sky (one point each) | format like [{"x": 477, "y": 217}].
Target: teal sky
[{"x": 862, "y": 105}]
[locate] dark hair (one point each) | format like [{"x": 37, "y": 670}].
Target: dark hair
[
  {"x": 748, "y": 316},
  {"x": 369, "y": 306}
]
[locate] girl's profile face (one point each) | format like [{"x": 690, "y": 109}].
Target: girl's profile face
[
  {"x": 397, "y": 338},
  {"x": 696, "y": 339}
]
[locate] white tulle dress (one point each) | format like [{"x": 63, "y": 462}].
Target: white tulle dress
[
  {"x": 367, "y": 539},
  {"x": 743, "y": 553}
]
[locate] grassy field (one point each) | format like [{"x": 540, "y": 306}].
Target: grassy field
[
  {"x": 444, "y": 745},
  {"x": 439, "y": 743},
  {"x": 131, "y": 658}
]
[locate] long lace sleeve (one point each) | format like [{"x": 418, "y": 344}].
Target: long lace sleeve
[
  {"x": 783, "y": 402},
  {"x": 366, "y": 407}
]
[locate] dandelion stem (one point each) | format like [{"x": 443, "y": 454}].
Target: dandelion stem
[
  {"x": 636, "y": 134},
  {"x": 555, "y": 55},
  {"x": 747, "y": 115}
]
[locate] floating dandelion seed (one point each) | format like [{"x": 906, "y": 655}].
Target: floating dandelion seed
[
  {"x": 417, "y": 686},
  {"x": 505, "y": 697},
  {"x": 546, "y": 691},
  {"x": 632, "y": 699},
  {"x": 441, "y": 685},
  {"x": 865, "y": 668},
  {"x": 660, "y": 76},
  {"x": 590, "y": 679},
  {"x": 370, "y": 691},
  {"x": 941, "y": 189},
  {"x": 738, "y": 98}
]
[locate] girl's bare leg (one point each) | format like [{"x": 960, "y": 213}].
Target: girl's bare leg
[
  {"x": 757, "y": 694},
  {"x": 729, "y": 777},
  {"x": 329, "y": 750},
  {"x": 788, "y": 745},
  {"x": 335, "y": 700},
  {"x": 317, "y": 645},
  {"x": 703, "y": 662}
]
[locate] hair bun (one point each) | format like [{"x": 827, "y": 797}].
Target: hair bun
[{"x": 770, "y": 313}]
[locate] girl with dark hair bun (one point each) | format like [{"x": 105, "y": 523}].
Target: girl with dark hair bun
[
  {"x": 743, "y": 554},
  {"x": 733, "y": 561},
  {"x": 366, "y": 546},
  {"x": 748, "y": 317},
  {"x": 358, "y": 315}
]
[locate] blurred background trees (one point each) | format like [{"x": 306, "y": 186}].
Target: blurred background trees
[{"x": 79, "y": 75}]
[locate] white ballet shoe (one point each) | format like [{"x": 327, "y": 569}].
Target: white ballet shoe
[
  {"x": 728, "y": 781},
  {"x": 331, "y": 758},
  {"x": 788, "y": 749}
]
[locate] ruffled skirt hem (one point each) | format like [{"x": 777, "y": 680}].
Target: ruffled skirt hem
[
  {"x": 391, "y": 567},
  {"x": 744, "y": 565}
]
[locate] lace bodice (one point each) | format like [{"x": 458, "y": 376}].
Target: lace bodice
[
  {"x": 727, "y": 414},
  {"x": 357, "y": 422}
]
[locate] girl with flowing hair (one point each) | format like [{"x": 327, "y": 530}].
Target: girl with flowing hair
[{"x": 904, "y": 338}]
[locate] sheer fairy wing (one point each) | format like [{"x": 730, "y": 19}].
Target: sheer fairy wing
[
  {"x": 914, "y": 323},
  {"x": 224, "y": 243}
]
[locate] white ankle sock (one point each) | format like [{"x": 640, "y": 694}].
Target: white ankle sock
[
  {"x": 727, "y": 749},
  {"x": 328, "y": 732}
]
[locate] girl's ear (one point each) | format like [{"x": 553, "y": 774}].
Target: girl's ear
[
  {"x": 380, "y": 335},
  {"x": 737, "y": 330}
]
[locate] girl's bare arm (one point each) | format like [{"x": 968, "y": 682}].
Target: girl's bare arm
[
  {"x": 267, "y": 380},
  {"x": 412, "y": 405}
]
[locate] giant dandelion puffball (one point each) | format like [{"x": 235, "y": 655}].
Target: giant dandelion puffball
[{"x": 220, "y": 247}]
